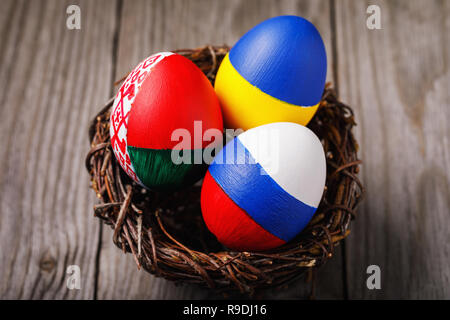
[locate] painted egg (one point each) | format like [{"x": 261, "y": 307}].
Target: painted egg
[
  {"x": 264, "y": 186},
  {"x": 276, "y": 72},
  {"x": 165, "y": 98}
]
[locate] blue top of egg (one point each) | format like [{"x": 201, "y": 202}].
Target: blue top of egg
[{"x": 284, "y": 57}]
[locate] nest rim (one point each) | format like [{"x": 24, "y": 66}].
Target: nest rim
[{"x": 141, "y": 227}]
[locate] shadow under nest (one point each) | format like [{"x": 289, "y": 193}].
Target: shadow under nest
[{"x": 166, "y": 234}]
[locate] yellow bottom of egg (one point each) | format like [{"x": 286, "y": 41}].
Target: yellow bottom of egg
[{"x": 244, "y": 106}]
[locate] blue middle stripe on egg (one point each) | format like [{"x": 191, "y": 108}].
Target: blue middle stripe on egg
[
  {"x": 284, "y": 57},
  {"x": 249, "y": 186}
]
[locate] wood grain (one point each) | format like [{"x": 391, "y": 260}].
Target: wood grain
[
  {"x": 397, "y": 79},
  {"x": 53, "y": 80},
  {"x": 150, "y": 26}
]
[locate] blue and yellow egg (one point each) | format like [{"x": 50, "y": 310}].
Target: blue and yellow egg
[{"x": 275, "y": 72}]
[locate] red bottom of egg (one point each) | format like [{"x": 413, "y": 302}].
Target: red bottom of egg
[{"x": 230, "y": 224}]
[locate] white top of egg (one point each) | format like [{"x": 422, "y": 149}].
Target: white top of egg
[{"x": 292, "y": 155}]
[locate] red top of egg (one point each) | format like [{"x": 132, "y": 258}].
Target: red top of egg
[{"x": 174, "y": 94}]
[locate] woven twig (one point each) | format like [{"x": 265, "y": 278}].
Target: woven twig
[{"x": 165, "y": 232}]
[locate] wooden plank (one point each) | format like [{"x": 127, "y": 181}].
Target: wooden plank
[
  {"x": 397, "y": 79},
  {"x": 152, "y": 26},
  {"x": 53, "y": 80}
]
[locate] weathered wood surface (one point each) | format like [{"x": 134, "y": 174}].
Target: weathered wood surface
[
  {"x": 54, "y": 80},
  {"x": 151, "y": 26},
  {"x": 398, "y": 81}
]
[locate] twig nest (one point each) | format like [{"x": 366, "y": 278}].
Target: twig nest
[{"x": 167, "y": 236}]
